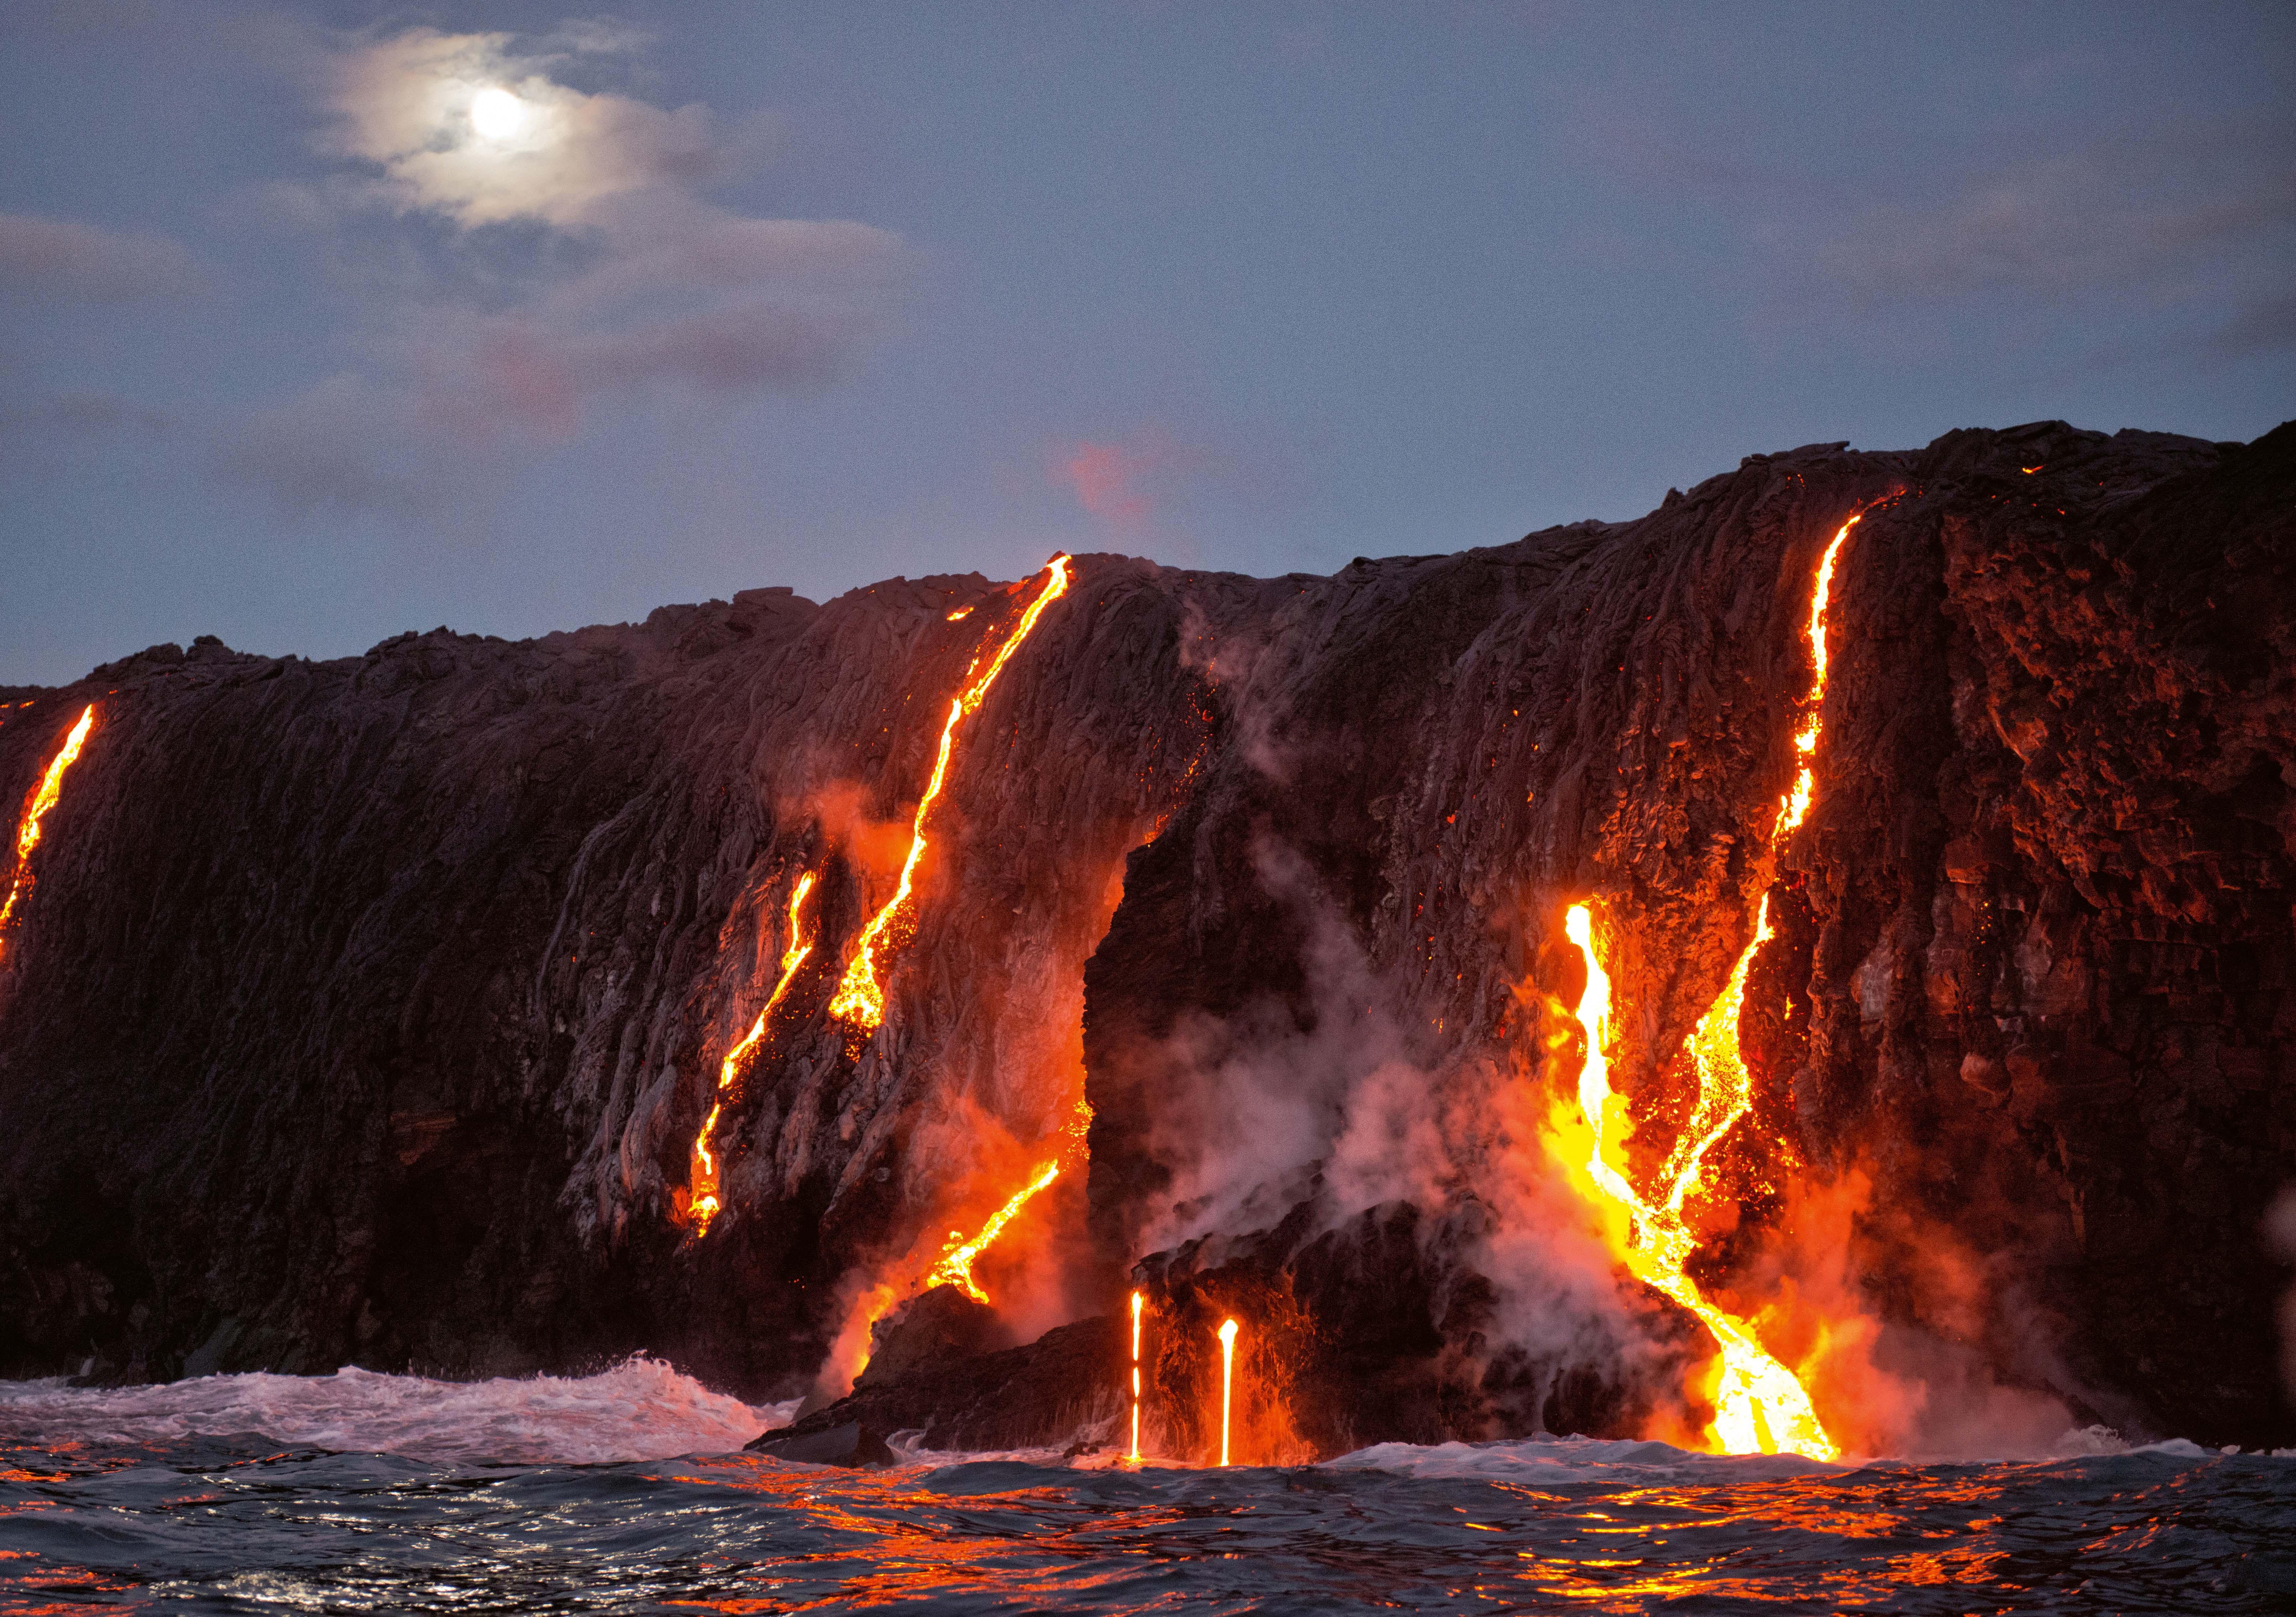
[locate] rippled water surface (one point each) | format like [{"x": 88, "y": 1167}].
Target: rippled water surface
[{"x": 214, "y": 1496}]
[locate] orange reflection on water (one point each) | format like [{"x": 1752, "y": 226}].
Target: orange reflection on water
[{"x": 920, "y": 1545}]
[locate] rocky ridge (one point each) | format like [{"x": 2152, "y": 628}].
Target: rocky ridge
[{"x": 365, "y": 1011}]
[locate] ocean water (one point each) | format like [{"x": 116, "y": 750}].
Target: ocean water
[{"x": 624, "y": 1492}]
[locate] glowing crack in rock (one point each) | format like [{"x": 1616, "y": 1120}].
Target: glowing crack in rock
[
  {"x": 701, "y": 1178},
  {"x": 35, "y": 810},
  {"x": 860, "y": 999},
  {"x": 1761, "y": 1406}
]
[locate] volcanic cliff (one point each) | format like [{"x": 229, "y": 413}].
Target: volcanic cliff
[{"x": 367, "y": 1010}]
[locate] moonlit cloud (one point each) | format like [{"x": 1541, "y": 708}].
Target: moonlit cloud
[
  {"x": 403, "y": 106},
  {"x": 657, "y": 288}
]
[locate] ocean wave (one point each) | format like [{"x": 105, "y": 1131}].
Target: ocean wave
[
  {"x": 641, "y": 1410},
  {"x": 1583, "y": 1459}
]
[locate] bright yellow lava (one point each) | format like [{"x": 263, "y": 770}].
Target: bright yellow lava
[
  {"x": 1761, "y": 1406},
  {"x": 1227, "y": 1379},
  {"x": 701, "y": 1178},
  {"x": 860, "y": 999},
  {"x": 43, "y": 798},
  {"x": 1135, "y": 1376},
  {"x": 956, "y": 1265}
]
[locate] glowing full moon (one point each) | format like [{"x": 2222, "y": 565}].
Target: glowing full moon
[{"x": 497, "y": 114}]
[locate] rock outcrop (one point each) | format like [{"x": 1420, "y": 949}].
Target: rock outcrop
[{"x": 365, "y": 1011}]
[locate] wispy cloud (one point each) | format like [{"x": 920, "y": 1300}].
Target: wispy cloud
[
  {"x": 1122, "y": 482},
  {"x": 2268, "y": 327},
  {"x": 64, "y": 261},
  {"x": 608, "y": 271},
  {"x": 82, "y": 413},
  {"x": 2119, "y": 216}
]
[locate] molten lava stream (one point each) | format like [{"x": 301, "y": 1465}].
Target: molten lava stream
[
  {"x": 1135, "y": 1454},
  {"x": 35, "y": 810},
  {"x": 1227, "y": 1380},
  {"x": 956, "y": 1265},
  {"x": 701, "y": 1178},
  {"x": 1761, "y": 1406},
  {"x": 860, "y": 997}
]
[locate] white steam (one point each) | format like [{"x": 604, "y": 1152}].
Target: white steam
[{"x": 1254, "y": 1107}]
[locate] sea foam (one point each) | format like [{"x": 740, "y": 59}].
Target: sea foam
[{"x": 641, "y": 1410}]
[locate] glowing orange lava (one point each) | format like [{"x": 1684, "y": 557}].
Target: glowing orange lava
[
  {"x": 35, "y": 810},
  {"x": 1135, "y": 1375},
  {"x": 1794, "y": 807},
  {"x": 860, "y": 999},
  {"x": 1227, "y": 1379},
  {"x": 702, "y": 1204},
  {"x": 1761, "y": 1406},
  {"x": 956, "y": 1265}
]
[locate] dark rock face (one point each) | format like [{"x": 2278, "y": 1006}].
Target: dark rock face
[
  {"x": 1033, "y": 1397},
  {"x": 365, "y": 1011}
]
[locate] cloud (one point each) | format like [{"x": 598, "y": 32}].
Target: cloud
[
  {"x": 81, "y": 413},
  {"x": 2117, "y": 216},
  {"x": 1104, "y": 478},
  {"x": 62, "y": 260},
  {"x": 351, "y": 444},
  {"x": 547, "y": 253},
  {"x": 404, "y": 105},
  {"x": 2267, "y": 327},
  {"x": 1107, "y": 479}
]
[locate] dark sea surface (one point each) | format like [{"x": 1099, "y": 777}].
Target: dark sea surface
[{"x": 359, "y": 1492}]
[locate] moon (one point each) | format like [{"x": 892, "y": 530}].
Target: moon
[{"x": 497, "y": 114}]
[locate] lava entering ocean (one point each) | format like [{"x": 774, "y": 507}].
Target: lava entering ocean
[
  {"x": 1761, "y": 1406},
  {"x": 35, "y": 810},
  {"x": 1135, "y": 1454},
  {"x": 860, "y": 999},
  {"x": 1227, "y": 1380},
  {"x": 955, "y": 1267},
  {"x": 701, "y": 1178}
]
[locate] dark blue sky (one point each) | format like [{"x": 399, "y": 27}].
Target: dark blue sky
[{"x": 753, "y": 293}]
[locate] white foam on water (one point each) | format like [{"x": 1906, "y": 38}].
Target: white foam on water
[
  {"x": 1572, "y": 1459},
  {"x": 641, "y": 1410},
  {"x": 2090, "y": 1443},
  {"x": 1581, "y": 1459}
]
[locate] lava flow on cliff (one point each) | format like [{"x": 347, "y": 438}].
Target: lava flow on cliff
[
  {"x": 1761, "y": 1406},
  {"x": 35, "y": 810},
  {"x": 702, "y": 1203},
  {"x": 956, "y": 1265},
  {"x": 860, "y": 999}
]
